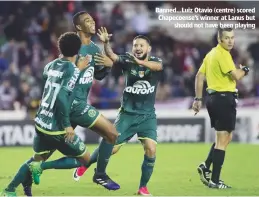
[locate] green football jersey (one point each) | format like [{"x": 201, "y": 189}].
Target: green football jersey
[
  {"x": 141, "y": 83},
  {"x": 61, "y": 76},
  {"x": 86, "y": 76}
]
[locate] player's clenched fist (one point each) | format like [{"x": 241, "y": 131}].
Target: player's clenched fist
[{"x": 103, "y": 35}]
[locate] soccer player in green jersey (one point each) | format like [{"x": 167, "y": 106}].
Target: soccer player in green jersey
[
  {"x": 84, "y": 114},
  {"x": 137, "y": 113},
  {"x": 52, "y": 123}
]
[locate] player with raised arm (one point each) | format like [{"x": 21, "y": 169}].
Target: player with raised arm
[
  {"x": 52, "y": 122},
  {"x": 84, "y": 114},
  {"x": 137, "y": 112}
]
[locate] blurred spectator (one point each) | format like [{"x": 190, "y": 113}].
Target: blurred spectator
[
  {"x": 24, "y": 54},
  {"x": 28, "y": 37},
  {"x": 163, "y": 92},
  {"x": 3, "y": 64},
  {"x": 10, "y": 51},
  {"x": 117, "y": 18},
  {"x": 140, "y": 21},
  {"x": 7, "y": 95},
  {"x": 253, "y": 49}
]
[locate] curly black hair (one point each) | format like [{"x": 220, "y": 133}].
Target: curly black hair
[{"x": 69, "y": 44}]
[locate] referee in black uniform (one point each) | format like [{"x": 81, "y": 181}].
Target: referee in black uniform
[{"x": 221, "y": 75}]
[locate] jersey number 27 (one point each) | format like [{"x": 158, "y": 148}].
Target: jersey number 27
[{"x": 52, "y": 90}]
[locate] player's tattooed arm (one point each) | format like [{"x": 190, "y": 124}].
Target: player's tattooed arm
[
  {"x": 109, "y": 52},
  {"x": 152, "y": 65},
  {"x": 105, "y": 38},
  {"x": 103, "y": 60}
]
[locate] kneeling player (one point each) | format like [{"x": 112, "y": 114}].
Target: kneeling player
[{"x": 137, "y": 114}]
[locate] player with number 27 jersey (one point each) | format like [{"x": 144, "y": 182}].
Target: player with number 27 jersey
[{"x": 61, "y": 77}]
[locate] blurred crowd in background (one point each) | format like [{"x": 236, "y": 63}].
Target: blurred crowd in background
[{"x": 29, "y": 32}]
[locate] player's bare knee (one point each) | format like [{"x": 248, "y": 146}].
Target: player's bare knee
[
  {"x": 150, "y": 151},
  {"x": 113, "y": 135},
  {"x": 38, "y": 157}
]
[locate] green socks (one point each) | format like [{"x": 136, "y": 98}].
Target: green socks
[
  {"x": 147, "y": 170},
  {"x": 62, "y": 163},
  {"x": 93, "y": 157},
  {"x": 105, "y": 151},
  {"x": 101, "y": 155},
  {"x": 20, "y": 177}
]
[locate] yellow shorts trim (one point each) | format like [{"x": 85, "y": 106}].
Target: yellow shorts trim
[
  {"x": 43, "y": 152},
  {"x": 95, "y": 120},
  {"x": 121, "y": 144},
  {"x": 146, "y": 138},
  {"x": 50, "y": 132}
]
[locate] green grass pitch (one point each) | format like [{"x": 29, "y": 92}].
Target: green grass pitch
[{"x": 175, "y": 172}]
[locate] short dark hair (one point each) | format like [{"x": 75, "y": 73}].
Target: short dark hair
[
  {"x": 142, "y": 37},
  {"x": 69, "y": 44},
  {"x": 221, "y": 30},
  {"x": 76, "y": 20}
]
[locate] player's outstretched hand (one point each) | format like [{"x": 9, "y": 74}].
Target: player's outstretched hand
[
  {"x": 196, "y": 106},
  {"x": 103, "y": 35},
  {"x": 132, "y": 57},
  {"x": 102, "y": 60},
  {"x": 83, "y": 62},
  {"x": 70, "y": 134}
]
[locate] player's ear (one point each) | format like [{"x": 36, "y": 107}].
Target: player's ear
[
  {"x": 219, "y": 39},
  {"x": 149, "y": 48},
  {"x": 78, "y": 27}
]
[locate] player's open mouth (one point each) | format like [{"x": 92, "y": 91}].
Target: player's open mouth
[{"x": 138, "y": 53}]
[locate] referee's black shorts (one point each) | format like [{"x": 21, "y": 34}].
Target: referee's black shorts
[{"x": 221, "y": 107}]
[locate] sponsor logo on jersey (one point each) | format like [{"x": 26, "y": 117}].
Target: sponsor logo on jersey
[
  {"x": 55, "y": 73},
  {"x": 43, "y": 124},
  {"x": 46, "y": 113},
  {"x": 72, "y": 81},
  {"x": 85, "y": 110},
  {"x": 140, "y": 87},
  {"x": 88, "y": 76}
]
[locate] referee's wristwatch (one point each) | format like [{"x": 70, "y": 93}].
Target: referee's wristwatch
[
  {"x": 246, "y": 69},
  {"x": 197, "y": 99}
]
